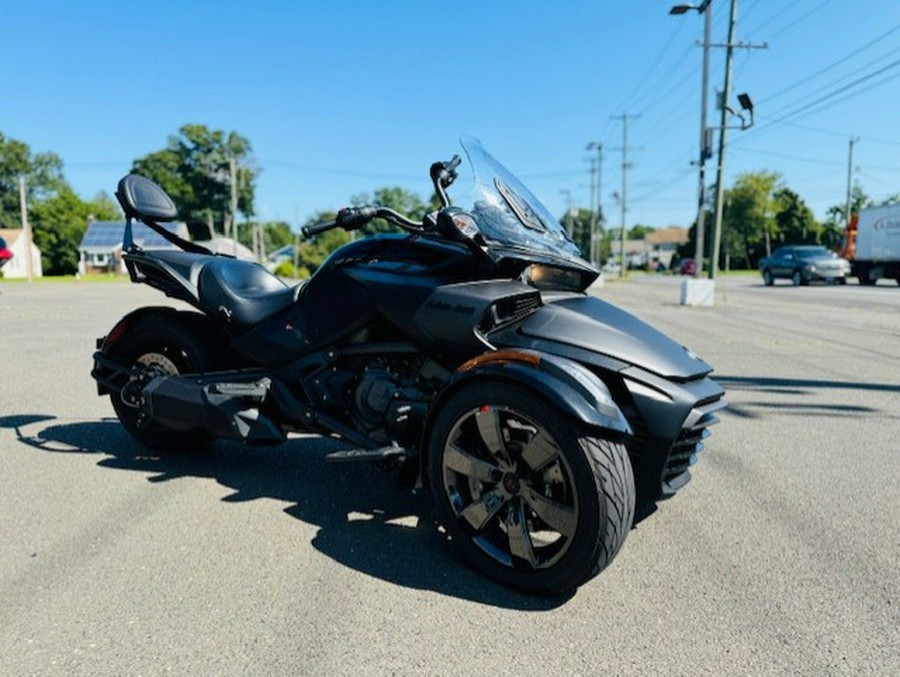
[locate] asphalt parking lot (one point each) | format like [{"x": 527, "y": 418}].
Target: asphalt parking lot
[{"x": 781, "y": 556}]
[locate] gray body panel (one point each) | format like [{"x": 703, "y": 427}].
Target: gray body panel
[{"x": 589, "y": 323}]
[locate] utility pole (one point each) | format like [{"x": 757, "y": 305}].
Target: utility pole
[
  {"x": 26, "y": 231},
  {"x": 566, "y": 193},
  {"x": 849, "y": 181},
  {"x": 705, "y": 150},
  {"x": 625, "y": 166},
  {"x": 596, "y": 169},
  {"x": 592, "y": 170},
  {"x": 705, "y": 134},
  {"x": 232, "y": 169},
  {"x": 723, "y": 131}
]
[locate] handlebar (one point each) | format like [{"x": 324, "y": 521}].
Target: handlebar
[{"x": 351, "y": 218}]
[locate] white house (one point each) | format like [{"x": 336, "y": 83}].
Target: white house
[{"x": 16, "y": 267}]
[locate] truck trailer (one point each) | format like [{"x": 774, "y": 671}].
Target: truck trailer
[{"x": 872, "y": 244}]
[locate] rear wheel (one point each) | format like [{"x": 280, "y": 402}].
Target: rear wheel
[
  {"x": 527, "y": 497},
  {"x": 159, "y": 344},
  {"x": 767, "y": 277}
]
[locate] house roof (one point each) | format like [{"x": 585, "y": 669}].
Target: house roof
[
  {"x": 104, "y": 236},
  {"x": 10, "y": 235},
  {"x": 670, "y": 235},
  {"x": 225, "y": 245}
]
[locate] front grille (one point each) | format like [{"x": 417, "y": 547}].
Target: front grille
[
  {"x": 689, "y": 443},
  {"x": 684, "y": 452},
  {"x": 509, "y": 310},
  {"x": 517, "y": 307}
]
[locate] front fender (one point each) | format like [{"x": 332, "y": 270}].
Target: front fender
[{"x": 563, "y": 383}]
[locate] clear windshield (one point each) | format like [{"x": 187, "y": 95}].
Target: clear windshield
[{"x": 507, "y": 213}]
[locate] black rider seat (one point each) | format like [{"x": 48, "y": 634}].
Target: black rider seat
[{"x": 245, "y": 292}]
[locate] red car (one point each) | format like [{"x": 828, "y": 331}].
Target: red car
[
  {"x": 5, "y": 254},
  {"x": 687, "y": 267}
]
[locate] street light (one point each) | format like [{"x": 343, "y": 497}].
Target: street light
[{"x": 705, "y": 139}]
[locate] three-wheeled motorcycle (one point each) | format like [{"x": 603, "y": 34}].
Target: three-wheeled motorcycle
[{"x": 464, "y": 349}]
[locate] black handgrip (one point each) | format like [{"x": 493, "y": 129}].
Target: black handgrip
[
  {"x": 309, "y": 231},
  {"x": 454, "y": 163},
  {"x": 351, "y": 218}
]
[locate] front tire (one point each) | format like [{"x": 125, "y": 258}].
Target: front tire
[
  {"x": 797, "y": 278},
  {"x": 528, "y": 497},
  {"x": 768, "y": 280}
]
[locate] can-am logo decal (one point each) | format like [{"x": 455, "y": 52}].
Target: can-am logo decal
[{"x": 887, "y": 223}]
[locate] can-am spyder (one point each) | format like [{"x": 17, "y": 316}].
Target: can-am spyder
[{"x": 465, "y": 349}]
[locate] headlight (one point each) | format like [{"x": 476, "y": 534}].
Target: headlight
[
  {"x": 550, "y": 277},
  {"x": 466, "y": 226},
  {"x": 811, "y": 267}
]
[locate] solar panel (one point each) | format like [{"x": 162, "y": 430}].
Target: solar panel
[{"x": 109, "y": 234}]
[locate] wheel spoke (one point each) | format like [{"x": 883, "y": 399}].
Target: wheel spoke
[
  {"x": 559, "y": 517},
  {"x": 519, "y": 539},
  {"x": 488, "y": 420},
  {"x": 539, "y": 451},
  {"x": 463, "y": 462},
  {"x": 480, "y": 512}
]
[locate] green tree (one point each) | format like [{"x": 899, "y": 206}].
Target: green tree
[
  {"x": 43, "y": 174},
  {"x": 748, "y": 224},
  {"x": 858, "y": 200},
  {"x": 399, "y": 199},
  {"x": 59, "y": 222},
  {"x": 578, "y": 224},
  {"x": 639, "y": 232},
  {"x": 276, "y": 234},
  {"x": 313, "y": 252},
  {"x": 795, "y": 223},
  {"x": 194, "y": 169}
]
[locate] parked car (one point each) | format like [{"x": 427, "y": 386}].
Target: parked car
[
  {"x": 803, "y": 264},
  {"x": 687, "y": 267},
  {"x": 5, "y": 254}
]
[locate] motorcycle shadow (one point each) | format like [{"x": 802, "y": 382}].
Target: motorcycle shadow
[{"x": 364, "y": 522}]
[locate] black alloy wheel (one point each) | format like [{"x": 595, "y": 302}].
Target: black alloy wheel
[{"x": 527, "y": 496}]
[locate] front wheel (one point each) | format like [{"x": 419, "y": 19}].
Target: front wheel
[
  {"x": 529, "y": 498},
  {"x": 768, "y": 280},
  {"x": 797, "y": 278}
]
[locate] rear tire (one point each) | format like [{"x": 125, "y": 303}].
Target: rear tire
[
  {"x": 529, "y": 497},
  {"x": 163, "y": 343},
  {"x": 768, "y": 280}
]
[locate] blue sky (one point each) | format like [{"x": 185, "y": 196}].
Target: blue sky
[{"x": 344, "y": 96}]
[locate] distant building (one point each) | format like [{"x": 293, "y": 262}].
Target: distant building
[
  {"x": 655, "y": 249},
  {"x": 101, "y": 247},
  {"x": 17, "y": 267},
  {"x": 662, "y": 244},
  {"x": 227, "y": 246}
]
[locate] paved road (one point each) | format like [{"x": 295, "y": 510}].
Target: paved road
[{"x": 780, "y": 557}]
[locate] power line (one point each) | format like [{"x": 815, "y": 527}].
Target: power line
[
  {"x": 809, "y": 108},
  {"x": 778, "y": 14},
  {"x": 822, "y": 71},
  {"x": 787, "y": 156},
  {"x": 642, "y": 82}
]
